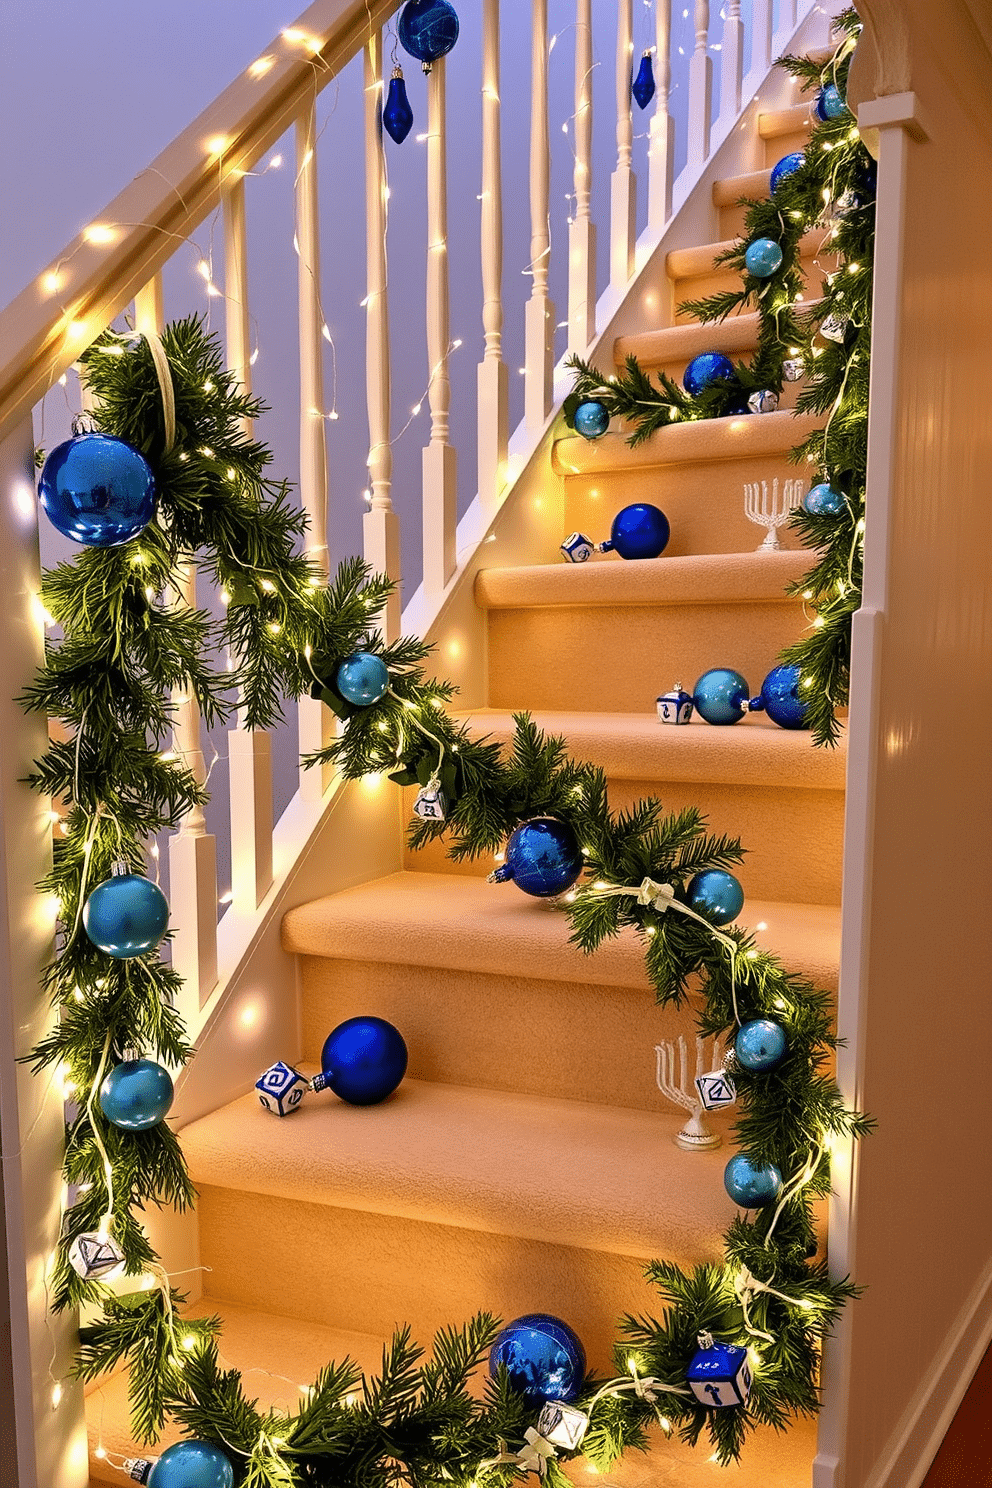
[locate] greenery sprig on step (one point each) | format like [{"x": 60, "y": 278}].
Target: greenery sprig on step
[
  {"x": 127, "y": 654},
  {"x": 832, "y": 196}
]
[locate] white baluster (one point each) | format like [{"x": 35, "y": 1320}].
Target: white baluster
[
  {"x": 249, "y": 751},
  {"x": 582, "y": 229},
  {"x": 761, "y": 38},
  {"x": 787, "y": 16},
  {"x": 539, "y": 325},
  {"x": 380, "y": 525},
  {"x": 661, "y": 156},
  {"x": 700, "y": 88},
  {"x": 493, "y": 383},
  {"x": 440, "y": 467},
  {"x": 731, "y": 60},
  {"x": 623, "y": 185},
  {"x": 316, "y": 722}
]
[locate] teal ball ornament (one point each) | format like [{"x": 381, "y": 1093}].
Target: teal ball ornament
[
  {"x": 705, "y": 369},
  {"x": 829, "y": 103},
  {"x": 591, "y": 419},
  {"x": 763, "y": 258},
  {"x": 779, "y": 698},
  {"x": 543, "y": 858},
  {"x": 428, "y": 29},
  {"x": 137, "y": 1094},
  {"x": 397, "y": 115},
  {"x": 543, "y": 1356},
  {"x": 126, "y": 916},
  {"x": 192, "y": 1464},
  {"x": 752, "y": 1185},
  {"x": 363, "y": 1061},
  {"x": 824, "y": 501},
  {"x": 786, "y": 167},
  {"x": 97, "y": 490},
  {"x": 716, "y": 894},
  {"x": 721, "y": 696},
  {"x": 639, "y": 531},
  {"x": 362, "y": 679},
  {"x": 760, "y": 1044}
]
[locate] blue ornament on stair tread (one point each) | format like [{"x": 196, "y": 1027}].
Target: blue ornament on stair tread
[
  {"x": 829, "y": 103},
  {"x": 705, "y": 369},
  {"x": 780, "y": 699},
  {"x": 137, "y": 1094},
  {"x": 638, "y": 531},
  {"x": 760, "y": 1044},
  {"x": 591, "y": 419},
  {"x": 363, "y": 1061},
  {"x": 126, "y": 915},
  {"x": 786, "y": 167},
  {"x": 428, "y": 29},
  {"x": 716, "y": 894},
  {"x": 824, "y": 501},
  {"x": 192, "y": 1464},
  {"x": 397, "y": 115},
  {"x": 362, "y": 678},
  {"x": 97, "y": 490},
  {"x": 642, "y": 87},
  {"x": 721, "y": 696},
  {"x": 543, "y": 858},
  {"x": 543, "y": 1356},
  {"x": 763, "y": 258},
  {"x": 750, "y": 1184}
]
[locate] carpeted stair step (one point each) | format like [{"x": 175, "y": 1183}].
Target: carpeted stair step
[
  {"x": 755, "y": 185},
  {"x": 695, "y": 275},
  {"x": 785, "y": 130}
]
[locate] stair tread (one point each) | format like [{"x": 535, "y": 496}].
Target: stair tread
[
  {"x": 633, "y": 746},
  {"x": 792, "y": 120},
  {"x": 688, "y": 263},
  {"x": 672, "y": 343},
  {"x": 693, "y": 579},
  {"x": 744, "y": 436},
  {"x": 461, "y": 922},
  {"x": 728, "y": 191}
]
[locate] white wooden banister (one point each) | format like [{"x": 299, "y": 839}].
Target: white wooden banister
[
  {"x": 701, "y": 87},
  {"x": 582, "y": 229},
  {"x": 661, "y": 147},
  {"x": 439, "y": 461},
  {"x": 493, "y": 382},
  {"x": 540, "y": 313},
  {"x": 731, "y": 60},
  {"x": 623, "y": 185}
]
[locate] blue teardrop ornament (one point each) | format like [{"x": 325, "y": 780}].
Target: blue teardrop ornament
[
  {"x": 643, "y": 85},
  {"x": 397, "y": 116}
]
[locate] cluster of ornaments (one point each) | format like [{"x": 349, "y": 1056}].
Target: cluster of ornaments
[
  {"x": 711, "y": 367},
  {"x": 638, "y": 531},
  {"x": 722, "y": 696},
  {"x": 427, "y": 30},
  {"x": 363, "y": 1061}
]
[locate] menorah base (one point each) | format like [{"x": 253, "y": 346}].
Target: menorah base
[{"x": 696, "y": 1141}]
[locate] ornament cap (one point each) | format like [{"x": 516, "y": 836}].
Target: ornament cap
[
  {"x": 321, "y": 1082},
  {"x": 502, "y": 874},
  {"x": 138, "y": 1468},
  {"x": 705, "y": 1340},
  {"x": 606, "y": 546},
  {"x": 119, "y": 869},
  {"x": 397, "y": 71}
]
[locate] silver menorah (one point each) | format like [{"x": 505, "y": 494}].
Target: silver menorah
[
  {"x": 695, "y": 1136},
  {"x": 771, "y": 513}
]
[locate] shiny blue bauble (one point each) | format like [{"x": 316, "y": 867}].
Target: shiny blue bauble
[
  {"x": 786, "y": 167},
  {"x": 363, "y": 1060},
  {"x": 760, "y": 1044},
  {"x": 362, "y": 679},
  {"x": 780, "y": 698},
  {"x": 751, "y": 1185},
  {"x": 829, "y": 103},
  {"x": 824, "y": 501},
  {"x": 639, "y": 531},
  {"x": 397, "y": 115},
  {"x": 97, "y": 490},
  {"x": 763, "y": 257},
  {"x": 543, "y": 858},
  {"x": 428, "y": 29},
  {"x": 716, "y": 894},
  {"x": 643, "y": 85},
  {"x": 721, "y": 696},
  {"x": 126, "y": 915},
  {"x": 137, "y": 1094},
  {"x": 544, "y": 1357},
  {"x": 591, "y": 419},
  {"x": 706, "y": 368},
  {"x": 192, "y": 1464}
]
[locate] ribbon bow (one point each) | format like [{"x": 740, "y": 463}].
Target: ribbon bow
[{"x": 533, "y": 1456}]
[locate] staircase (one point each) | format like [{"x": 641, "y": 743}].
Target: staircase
[{"x": 527, "y": 1162}]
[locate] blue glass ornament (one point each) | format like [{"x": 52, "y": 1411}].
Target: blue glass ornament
[
  {"x": 763, "y": 257},
  {"x": 397, "y": 115},
  {"x": 760, "y": 1044},
  {"x": 97, "y": 490},
  {"x": 192, "y": 1464},
  {"x": 126, "y": 915},
  {"x": 543, "y": 1355},
  {"x": 362, "y": 679},
  {"x": 721, "y": 696},
  {"x": 362, "y": 1061},
  {"x": 543, "y": 858},
  {"x": 428, "y": 29},
  {"x": 706, "y": 368},
  {"x": 137, "y": 1094},
  {"x": 591, "y": 419},
  {"x": 829, "y": 103},
  {"x": 715, "y": 894},
  {"x": 643, "y": 85},
  {"x": 779, "y": 698},
  {"x": 824, "y": 501},
  {"x": 639, "y": 531},
  {"x": 786, "y": 167},
  {"x": 751, "y": 1185}
]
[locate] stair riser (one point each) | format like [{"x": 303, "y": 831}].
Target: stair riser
[
  {"x": 785, "y": 144},
  {"x": 719, "y": 280},
  {"x": 619, "y": 660}
]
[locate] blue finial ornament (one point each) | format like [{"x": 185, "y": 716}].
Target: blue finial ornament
[
  {"x": 643, "y": 85},
  {"x": 397, "y": 115},
  {"x": 428, "y": 29}
]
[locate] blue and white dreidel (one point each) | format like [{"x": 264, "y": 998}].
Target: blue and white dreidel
[
  {"x": 675, "y": 706},
  {"x": 716, "y": 1090},
  {"x": 577, "y": 548},
  {"x": 281, "y": 1089},
  {"x": 719, "y": 1374}
]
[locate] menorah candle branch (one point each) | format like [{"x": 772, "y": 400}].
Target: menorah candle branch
[
  {"x": 695, "y": 1136},
  {"x": 771, "y": 511}
]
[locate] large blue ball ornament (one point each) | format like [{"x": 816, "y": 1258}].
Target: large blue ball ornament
[
  {"x": 760, "y": 1044},
  {"x": 363, "y": 1060},
  {"x": 97, "y": 490},
  {"x": 721, "y": 696},
  {"x": 780, "y": 699},
  {"x": 829, "y": 103},
  {"x": 126, "y": 916},
  {"x": 397, "y": 115},
  {"x": 716, "y": 894},
  {"x": 543, "y": 858},
  {"x": 751, "y": 1185},
  {"x": 824, "y": 501},
  {"x": 362, "y": 679},
  {"x": 543, "y": 1356},
  {"x": 639, "y": 531},
  {"x": 137, "y": 1094},
  {"x": 192, "y": 1464},
  {"x": 786, "y": 167},
  {"x": 428, "y": 29},
  {"x": 591, "y": 419},
  {"x": 763, "y": 257},
  {"x": 705, "y": 369}
]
